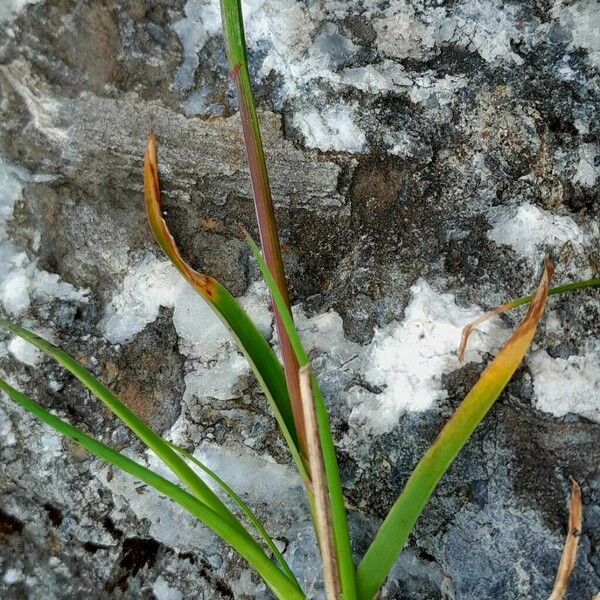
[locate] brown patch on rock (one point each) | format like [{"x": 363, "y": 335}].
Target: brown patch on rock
[{"x": 149, "y": 379}]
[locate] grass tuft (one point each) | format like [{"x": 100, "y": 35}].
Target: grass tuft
[{"x": 295, "y": 398}]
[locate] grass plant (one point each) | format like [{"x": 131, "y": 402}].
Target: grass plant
[{"x": 293, "y": 393}]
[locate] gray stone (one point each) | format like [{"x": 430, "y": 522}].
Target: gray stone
[{"x": 424, "y": 157}]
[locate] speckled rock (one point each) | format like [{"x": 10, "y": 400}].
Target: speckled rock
[{"x": 424, "y": 157}]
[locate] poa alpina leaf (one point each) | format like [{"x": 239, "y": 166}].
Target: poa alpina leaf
[
  {"x": 254, "y": 346},
  {"x": 389, "y": 541},
  {"x": 237, "y": 537}
]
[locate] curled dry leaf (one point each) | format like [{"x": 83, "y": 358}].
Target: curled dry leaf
[
  {"x": 569, "y": 554},
  {"x": 206, "y": 285},
  {"x": 560, "y": 289},
  {"x": 468, "y": 329}
]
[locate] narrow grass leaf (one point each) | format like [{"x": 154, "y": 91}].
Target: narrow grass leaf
[
  {"x": 253, "y": 345},
  {"x": 391, "y": 537},
  {"x": 286, "y": 314},
  {"x": 283, "y": 587},
  {"x": 154, "y": 441},
  {"x": 323, "y": 518},
  {"x": 235, "y": 40},
  {"x": 334, "y": 483},
  {"x": 569, "y": 554},
  {"x": 258, "y": 525},
  {"x": 560, "y": 289}
]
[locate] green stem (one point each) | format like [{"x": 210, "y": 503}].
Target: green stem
[
  {"x": 233, "y": 27},
  {"x": 559, "y": 289}
]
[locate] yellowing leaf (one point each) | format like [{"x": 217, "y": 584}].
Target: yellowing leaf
[{"x": 389, "y": 541}]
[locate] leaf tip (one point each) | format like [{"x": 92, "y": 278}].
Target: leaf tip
[
  {"x": 548, "y": 268},
  {"x": 536, "y": 307},
  {"x": 151, "y": 151},
  {"x": 569, "y": 553}
]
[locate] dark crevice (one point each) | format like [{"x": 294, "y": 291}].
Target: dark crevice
[
  {"x": 218, "y": 584},
  {"x": 136, "y": 554},
  {"x": 110, "y": 526},
  {"x": 9, "y": 526},
  {"x": 54, "y": 514},
  {"x": 92, "y": 547}
]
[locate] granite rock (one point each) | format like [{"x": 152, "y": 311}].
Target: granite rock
[{"x": 424, "y": 157}]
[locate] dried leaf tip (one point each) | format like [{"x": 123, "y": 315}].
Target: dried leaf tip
[
  {"x": 151, "y": 153},
  {"x": 203, "y": 283},
  {"x": 538, "y": 303},
  {"x": 543, "y": 288},
  {"x": 569, "y": 554}
]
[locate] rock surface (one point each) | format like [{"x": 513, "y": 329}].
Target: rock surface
[{"x": 424, "y": 156}]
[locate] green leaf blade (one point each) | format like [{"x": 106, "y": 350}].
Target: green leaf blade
[
  {"x": 374, "y": 568},
  {"x": 240, "y": 540},
  {"x": 258, "y": 525},
  {"x": 155, "y": 442},
  {"x": 254, "y": 346}
]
